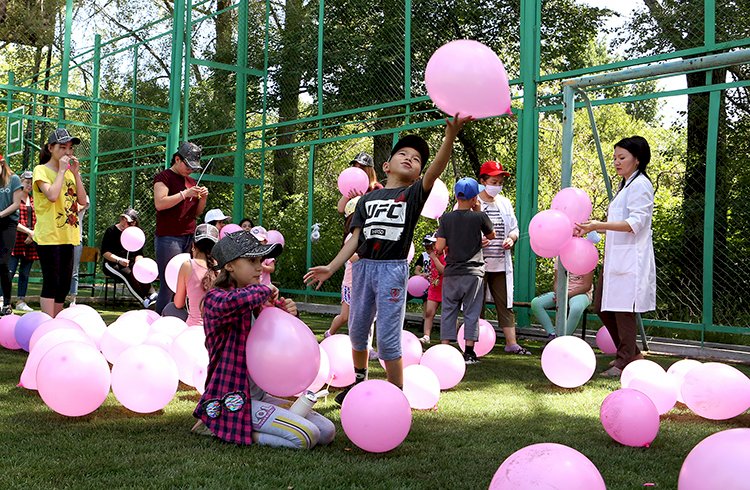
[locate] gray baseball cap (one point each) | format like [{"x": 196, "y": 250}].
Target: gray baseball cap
[
  {"x": 62, "y": 136},
  {"x": 27, "y": 174},
  {"x": 363, "y": 159},
  {"x": 242, "y": 244},
  {"x": 191, "y": 153},
  {"x": 130, "y": 215}
]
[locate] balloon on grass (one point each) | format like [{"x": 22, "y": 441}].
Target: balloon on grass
[
  {"x": 324, "y": 372},
  {"x": 51, "y": 325},
  {"x": 376, "y": 416},
  {"x": 26, "y": 325},
  {"x": 716, "y": 391},
  {"x": 189, "y": 350},
  {"x": 678, "y": 370},
  {"x": 487, "y": 338},
  {"x": 43, "y": 345},
  {"x": 447, "y": 363},
  {"x": 660, "y": 388},
  {"x": 604, "y": 341},
  {"x": 568, "y": 361},
  {"x": 338, "y": 347},
  {"x": 630, "y": 417},
  {"x": 88, "y": 319},
  {"x": 121, "y": 335},
  {"x": 421, "y": 387},
  {"x": 411, "y": 349},
  {"x": 8, "y": 332},
  {"x": 641, "y": 368},
  {"x": 144, "y": 378},
  {"x": 720, "y": 461}
]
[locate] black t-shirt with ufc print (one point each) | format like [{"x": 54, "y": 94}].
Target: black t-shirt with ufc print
[{"x": 386, "y": 218}]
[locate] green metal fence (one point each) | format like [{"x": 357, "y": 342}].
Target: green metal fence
[{"x": 281, "y": 95}]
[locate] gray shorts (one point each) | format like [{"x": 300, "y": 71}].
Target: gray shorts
[
  {"x": 463, "y": 290},
  {"x": 378, "y": 287}
]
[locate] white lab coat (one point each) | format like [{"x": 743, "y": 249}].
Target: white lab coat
[
  {"x": 511, "y": 230},
  {"x": 629, "y": 283}
]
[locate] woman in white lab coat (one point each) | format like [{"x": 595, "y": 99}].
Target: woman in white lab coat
[{"x": 627, "y": 285}]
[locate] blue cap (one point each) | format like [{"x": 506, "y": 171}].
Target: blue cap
[{"x": 466, "y": 188}]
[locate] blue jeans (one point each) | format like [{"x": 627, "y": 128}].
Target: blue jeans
[
  {"x": 77, "y": 250},
  {"x": 166, "y": 248},
  {"x": 576, "y": 305},
  {"x": 23, "y": 273}
]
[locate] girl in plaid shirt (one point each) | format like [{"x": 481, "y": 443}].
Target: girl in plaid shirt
[{"x": 233, "y": 408}]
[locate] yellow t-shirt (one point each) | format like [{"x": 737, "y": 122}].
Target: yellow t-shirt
[{"x": 56, "y": 222}]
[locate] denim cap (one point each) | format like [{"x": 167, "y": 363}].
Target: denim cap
[
  {"x": 242, "y": 244},
  {"x": 191, "y": 154},
  {"x": 62, "y": 136},
  {"x": 466, "y": 188}
]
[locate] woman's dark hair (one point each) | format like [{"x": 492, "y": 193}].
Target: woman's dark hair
[
  {"x": 249, "y": 221},
  {"x": 45, "y": 155},
  {"x": 205, "y": 246},
  {"x": 639, "y": 148}
]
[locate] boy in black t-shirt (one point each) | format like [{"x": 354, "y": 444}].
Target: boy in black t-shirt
[
  {"x": 462, "y": 232},
  {"x": 382, "y": 231}
]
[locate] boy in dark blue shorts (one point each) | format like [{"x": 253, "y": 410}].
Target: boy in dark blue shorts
[{"x": 382, "y": 231}]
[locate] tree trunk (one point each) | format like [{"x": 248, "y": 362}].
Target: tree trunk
[{"x": 223, "y": 91}]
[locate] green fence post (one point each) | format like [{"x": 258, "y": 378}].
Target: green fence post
[
  {"x": 9, "y": 107},
  {"x": 133, "y": 123},
  {"x": 310, "y": 204},
  {"x": 94, "y": 152},
  {"x": 175, "y": 78},
  {"x": 65, "y": 62},
  {"x": 188, "y": 61},
  {"x": 240, "y": 102},
  {"x": 709, "y": 211},
  {"x": 561, "y": 287}
]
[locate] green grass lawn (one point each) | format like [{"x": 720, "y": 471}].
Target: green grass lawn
[{"x": 502, "y": 405}]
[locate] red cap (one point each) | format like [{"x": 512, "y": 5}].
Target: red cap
[{"x": 492, "y": 168}]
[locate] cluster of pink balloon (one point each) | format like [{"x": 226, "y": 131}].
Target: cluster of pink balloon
[
  {"x": 569, "y": 362},
  {"x": 551, "y": 231}
]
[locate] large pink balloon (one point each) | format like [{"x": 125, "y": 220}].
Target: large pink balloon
[
  {"x": 574, "y": 202},
  {"x": 145, "y": 270},
  {"x": 716, "y": 391},
  {"x": 144, "y": 378},
  {"x": 579, "y": 256},
  {"x": 339, "y": 350},
  {"x": 661, "y": 389},
  {"x": 229, "y": 229},
  {"x": 604, "y": 341},
  {"x": 168, "y": 325},
  {"x": 121, "y": 335},
  {"x": 26, "y": 325},
  {"x": 283, "y": 356},
  {"x": 50, "y": 325},
  {"x": 720, "y": 461},
  {"x": 189, "y": 350},
  {"x": 73, "y": 378},
  {"x": 8, "y": 331},
  {"x": 487, "y": 338},
  {"x": 324, "y": 372},
  {"x": 417, "y": 286},
  {"x": 421, "y": 387},
  {"x": 568, "y": 361},
  {"x": 642, "y": 368},
  {"x": 376, "y": 416},
  {"x": 275, "y": 236},
  {"x": 630, "y": 417},
  {"x": 173, "y": 268},
  {"x": 161, "y": 340},
  {"x": 547, "y": 253},
  {"x": 550, "y": 230},
  {"x": 447, "y": 363},
  {"x": 43, "y": 345},
  {"x": 88, "y": 319},
  {"x": 437, "y": 201},
  {"x": 132, "y": 239},
  {"x": 466, "y": 76},
  {"x": 411, "y": 349},
  {"x": 678, "y": 370},
  {"x": 547, "y": 465},
  {"x": 353, "y": 179}
]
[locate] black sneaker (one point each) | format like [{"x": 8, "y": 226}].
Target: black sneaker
[
  {"x": 340, "y": 397},
  {"x": 6, "y": 310},
  {"x": 471, "y": 358}
]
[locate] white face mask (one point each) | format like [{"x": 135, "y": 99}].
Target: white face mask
[{"x": 493, "y": 190}]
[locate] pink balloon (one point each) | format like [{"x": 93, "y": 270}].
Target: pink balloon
[
  {"x": 229, "y": 229},
  {"x": 642, "y": 368},
  {"x": 339, "y": 350},
  {"x": 8, "y": 331},
  {"x": 121, "y": 335},
  {"x": 579, "y": 256},
  {"x": 353, "y": 179},
  {"x": 447, "y": 363},
  {"x": 661, "y": 389},
  {"x": 26, "y": 325},
  {"x": 487, "y": 338},
  {"x": 550, "y": 230},
  {"x": 283, "y": 356},
  {"x": 547, "y": 465},
  {"x": 719, "y": 461},
  {"x": 168, "y": 325},
  {"x": 144, "y": 379},
  {"x": 678, "y": 370},
  {"x": 189, "y": 350},
  {"x": 604, "y": 341},
  {"x": 50, "y": 325},
  {"x": 275, "y": 236},
  {"x": 148, "y": 316},
  {"x": 574, "y": 202},
  {"x": 417, "y": 286},
  {"x": 466, "y": 76},
  {"x": 324, "y": 372},
  {"x": 161, "y": 340},
  {"x": 73, "y": 379},
  {"x": 543, "y": 252},
  {"x": 716, "y": 391},
  {"x": 421, "y": 387},
  {"x": 132, "y": 239},
  {"x": 437, "y": 201},
  {"x": 411, "y": 349},
  {"x": 630, "y": 417},
  {"x": 568, "y": 361},
  {"x": 173, "y": 268},
  {"x": 145, "y": 270},
  {"x": 44, "y": 344},
  {"x": 376, "y": 416},
  {"x": 199, "y": 377},
  {"x": 88, "y": 319}
]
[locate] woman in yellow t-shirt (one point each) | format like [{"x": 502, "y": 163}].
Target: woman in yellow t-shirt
[{"x": 58, "y": 193}]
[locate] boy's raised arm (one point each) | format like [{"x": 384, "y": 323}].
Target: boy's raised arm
[{"x": 452, "y": 127}]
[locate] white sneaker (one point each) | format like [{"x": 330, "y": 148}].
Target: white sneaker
[
  {"x": 22, "y": 306},
  {"x": 425, "y": 339},
  {"x": 72, "y": 303}
]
